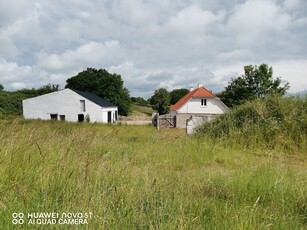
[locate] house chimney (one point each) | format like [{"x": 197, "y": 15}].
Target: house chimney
[
  {"x": 200, "y": 85},
  {"x": 191, "y": 89}
]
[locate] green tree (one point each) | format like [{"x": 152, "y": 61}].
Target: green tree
[
  {"x": 177, "y": 94},
  {"x": 160, "y": 101},
  {"x": 140, "y": 101},
  {"x": 1, "y": 87},
  {"x": 11, "y": 101},
  {"x": 256, "y": 82},
  {"x": 104, "y": 84}
]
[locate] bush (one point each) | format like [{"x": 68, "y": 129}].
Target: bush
[{"x": 274, "y": 122}]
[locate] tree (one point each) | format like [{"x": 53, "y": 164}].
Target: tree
[
  {"x": 177, "y": 94},
  {"x": 104, "y": 84},
  {"x": 1, "y": 87},
  {"x": 140, "y": 101},
  {"x": 11, "y": 102},
  {"x": 257, "y": 82},
  {"x": 160, "y": 101}
]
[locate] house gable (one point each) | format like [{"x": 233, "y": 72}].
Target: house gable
[
  {"x": 197, "y": 106},
  {"x": 200, "y": 101},
  {"x": 201, "y": 92}
]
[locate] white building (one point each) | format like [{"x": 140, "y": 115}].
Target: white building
[
  {"x": 198, "y": 102},
  {"x": 70, "y": 105}
]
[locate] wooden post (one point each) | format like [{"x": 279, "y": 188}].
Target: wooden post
[{"x": 158, "y": 121}]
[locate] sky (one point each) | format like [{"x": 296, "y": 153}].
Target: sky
[{"x": 152, "y": 43}]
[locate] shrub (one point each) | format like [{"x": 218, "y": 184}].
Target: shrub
[{"x": 274, "y": 122}]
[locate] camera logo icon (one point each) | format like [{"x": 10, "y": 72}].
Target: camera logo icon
[{"x": 18, "y": 218}]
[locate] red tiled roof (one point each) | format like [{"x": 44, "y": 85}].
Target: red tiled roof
[{"x": 201, "y": 92}]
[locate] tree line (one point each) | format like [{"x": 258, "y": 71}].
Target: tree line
[
  {"x": 256, "y": 82},
  {"x": 11, "y": 102}
]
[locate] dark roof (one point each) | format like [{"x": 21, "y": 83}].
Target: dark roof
[{"x": 94, "y": 98}]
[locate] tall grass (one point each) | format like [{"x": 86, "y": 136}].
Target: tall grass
[
  {"x": 135, "y": 177},
  {"x": 271, "y": 123}
]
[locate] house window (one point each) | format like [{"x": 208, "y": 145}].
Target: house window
[
  {"x": 203, "y": 102},
  {"x": 82, "y": 105}
]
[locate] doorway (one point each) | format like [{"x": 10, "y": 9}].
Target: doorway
[
  {"x": 80, "y": 117},
  {"x": 109, "y": 116}
]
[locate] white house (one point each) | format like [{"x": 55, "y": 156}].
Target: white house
[
  {"x": 198, "y": 102},
  {"x": 70, "y": 105}
]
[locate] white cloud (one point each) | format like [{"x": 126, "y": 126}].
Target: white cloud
[
  {"x": 292, "y": 4},
  {"x": 18, "y": 85},
  {"x": 10, "y": 71},
  {"x": 235, "y": 55},
  {"x": 10, "y": 11},
  {"x": 14, "y": 76},
  {"x": 292, "y": 71},
  {"x": 92, "y": 54},
  {"x": 193, "y": 19},
  {"x": 7, "y": 47},
  {"x": 134, "y": 12},
  {"x": 255, "y": 21}
]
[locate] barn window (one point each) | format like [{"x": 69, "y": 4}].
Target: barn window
[
  {"x": 82, "y": 105},
  {"x": 203, "y": 102},
  {"x": 62, "y": 117},
  {"x": 53, "y": 116}
]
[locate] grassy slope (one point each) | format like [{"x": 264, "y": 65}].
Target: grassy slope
[
  {"x": 142, "y": 111},
  {"x": 270, "y": 123},
  {"x": 135, "y": 177}
]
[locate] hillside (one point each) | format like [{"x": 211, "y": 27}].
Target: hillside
[
  {"x": 139, "y": 115},
  {"x": 142, "y": 111}
]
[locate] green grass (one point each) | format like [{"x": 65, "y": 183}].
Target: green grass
[
  {"x": 135, "y": 177},
  {"x": 142, "y": 111},
  {"x": 270, "y": 123}
]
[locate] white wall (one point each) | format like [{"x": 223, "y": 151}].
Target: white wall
[
  {"x": 105, "y": 114},
  {"x": 65, "y": 102},
  {"x": 214, "y": 106}
]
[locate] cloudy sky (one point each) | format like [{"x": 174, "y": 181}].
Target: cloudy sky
[{"x": 152, "y": 43}]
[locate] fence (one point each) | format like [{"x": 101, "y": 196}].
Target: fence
[{"x": 164, "y": 121}]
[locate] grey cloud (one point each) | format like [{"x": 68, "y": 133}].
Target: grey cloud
[{"x": 150, "y": 43}]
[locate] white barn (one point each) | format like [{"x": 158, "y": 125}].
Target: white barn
[{"x": 70, "y": 105}]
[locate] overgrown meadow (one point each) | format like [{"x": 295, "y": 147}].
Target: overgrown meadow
[{"x": 135, "y": 177}]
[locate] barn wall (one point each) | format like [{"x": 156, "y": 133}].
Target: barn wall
[{"x": 105, "y": 114}]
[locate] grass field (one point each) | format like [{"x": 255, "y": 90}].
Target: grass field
[{"x": 135, "y": 177}]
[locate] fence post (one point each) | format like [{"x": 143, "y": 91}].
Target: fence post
[{"x": 158, "y": 124}]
